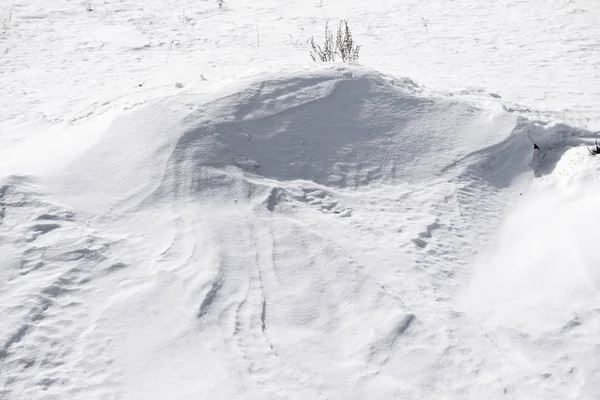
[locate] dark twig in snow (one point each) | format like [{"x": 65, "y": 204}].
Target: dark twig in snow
[{"x": 594, "y": 149}]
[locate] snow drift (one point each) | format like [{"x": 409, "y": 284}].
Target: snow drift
[
  {"x": 344, "y": 128},
  {"x": 294, "y": 236}
]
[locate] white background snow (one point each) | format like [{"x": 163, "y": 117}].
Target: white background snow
[{"x": 192, "y": 209}]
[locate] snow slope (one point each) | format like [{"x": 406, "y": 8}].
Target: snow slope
[{"x": 325, "y": 232}]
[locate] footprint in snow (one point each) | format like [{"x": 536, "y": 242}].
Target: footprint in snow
[{"x": 421, "y": 240}]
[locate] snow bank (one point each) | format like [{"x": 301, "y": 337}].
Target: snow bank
[{"x": 294, "y": 235}]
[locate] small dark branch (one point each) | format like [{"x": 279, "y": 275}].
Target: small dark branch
[
  {"x": 594, "y": 149},
  {"x": 257, "y": 36},
  {"x": 326, "y": 53},
  {"x": 6, "y": 23}
]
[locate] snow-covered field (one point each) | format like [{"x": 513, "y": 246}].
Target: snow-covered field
[{"x": 192, "y": 209}]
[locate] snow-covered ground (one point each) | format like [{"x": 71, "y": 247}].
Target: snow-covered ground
[{"x": 191, "y": 209}]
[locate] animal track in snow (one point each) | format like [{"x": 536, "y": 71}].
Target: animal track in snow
[
  {"x": 320, "y": 199},
  {"x": 421, "y": 241}
]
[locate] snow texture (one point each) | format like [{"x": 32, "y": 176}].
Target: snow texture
[{"x": 191, "y": 210}]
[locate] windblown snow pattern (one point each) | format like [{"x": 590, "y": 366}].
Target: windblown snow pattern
[{"x": 323, "y": 232}]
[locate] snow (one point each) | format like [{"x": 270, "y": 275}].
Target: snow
[{"x": 192, "y": 209}]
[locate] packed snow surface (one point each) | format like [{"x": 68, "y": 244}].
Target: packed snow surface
[{"x": 327, "y": 232}]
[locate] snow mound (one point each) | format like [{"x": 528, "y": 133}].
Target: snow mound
[
  {"x": 294, "y": 235},
  {"x": 340, "y": 127}
]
